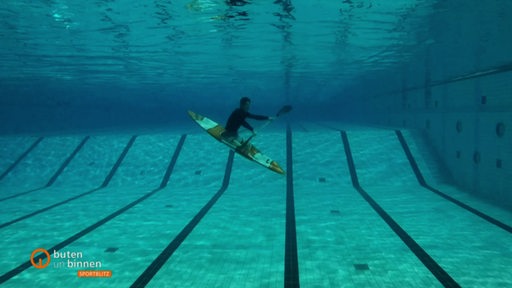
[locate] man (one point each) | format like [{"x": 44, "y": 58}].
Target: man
[{"x": 237, "y": 119}]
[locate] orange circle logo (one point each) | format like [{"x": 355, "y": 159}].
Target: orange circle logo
[{"x": 40, "y": 265}]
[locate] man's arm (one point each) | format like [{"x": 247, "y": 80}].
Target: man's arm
[
  {"x": 257, "y": 117},
  {"x": 246, "y": 125}
]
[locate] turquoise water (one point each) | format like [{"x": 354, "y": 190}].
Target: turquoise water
[
  {"x": 240, "y": 241},
  {"x": 70, "y": 65},
  {"x": 100, "y": 164}
]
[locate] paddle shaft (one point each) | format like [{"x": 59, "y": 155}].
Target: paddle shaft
[
  {"x": 261, "y": 127},
  {"x": 283, "y": 110}
]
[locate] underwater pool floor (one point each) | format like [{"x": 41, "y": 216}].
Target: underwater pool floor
[{"x": 358, "y": 207}]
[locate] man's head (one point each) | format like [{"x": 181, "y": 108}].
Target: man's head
[{"x": 245, "y": 103}]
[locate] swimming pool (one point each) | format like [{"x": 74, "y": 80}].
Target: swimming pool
[
  {"x": 396, "y": 151},
  {"x": 154, "y": 209}
]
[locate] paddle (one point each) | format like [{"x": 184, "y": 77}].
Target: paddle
[{"x": 285, "y": 109}]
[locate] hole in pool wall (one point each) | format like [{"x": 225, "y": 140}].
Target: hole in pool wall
[
  {"x": 500, "y": 129},
  {"x": 484, "y": 100},
  {"x": 457, "y": 154},
  {"x": 476, "y": 157},
  {"x": 458, "y": 126},
  {"x": 498, "y": 163}
]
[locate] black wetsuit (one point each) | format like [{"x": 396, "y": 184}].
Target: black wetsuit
[{"x": 237, "y": 119}]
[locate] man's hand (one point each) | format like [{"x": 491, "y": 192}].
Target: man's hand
[{"x": 270, "y": 118}]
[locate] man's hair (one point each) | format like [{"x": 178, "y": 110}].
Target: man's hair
[{"x": 244, "y": 100}]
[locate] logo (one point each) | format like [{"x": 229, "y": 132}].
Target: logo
[
  {"x": 40, "y": 264},
  {"x": 68, "y": 259}
]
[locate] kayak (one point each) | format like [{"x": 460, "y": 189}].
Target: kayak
[{"x": 248, "y": 151}]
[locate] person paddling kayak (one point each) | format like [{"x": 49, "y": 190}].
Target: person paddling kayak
[{"x": 237, "y": 119}]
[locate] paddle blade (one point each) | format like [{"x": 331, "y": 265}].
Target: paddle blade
[{"x": 285, "y": 109}]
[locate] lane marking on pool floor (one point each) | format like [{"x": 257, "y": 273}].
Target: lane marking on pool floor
[
  {"x": 424, "y": 183},
  {"x": 67, "y": 161},
  {"x": 168, "y": 251},
  {"x": 27, "y": 264},
  {"x": 21, "y": 157},
  {"x": 442, "y": 276},
  {"x": 55, "y": 175},
  {"x": 105, "y": 182},
  {"x": 291, "y": 261}
]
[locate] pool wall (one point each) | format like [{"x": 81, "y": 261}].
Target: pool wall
[{"x": 458, "y": 89}]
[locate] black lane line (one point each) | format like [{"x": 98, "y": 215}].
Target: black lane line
[
  {"x": 55, "y": 176},
  {"x": 110, "y": 174},
  {"x": 105, "y": 183},
  {"x": 424, "y": 183},
  {"x": 21, "y": 157},
  {"x": 160, "y": 260},
  {"x": 291, "y": 261},
  {"x": 444, "y": 278},
  {"x": 3, "y": 225},
  {"x": 121, "y": 158},
  {"x": 27, "y": 264},
  {"x": 174, "y": 158},
  {"x": 19, "y": 194},
  {"x": 67, "y": 161}
]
